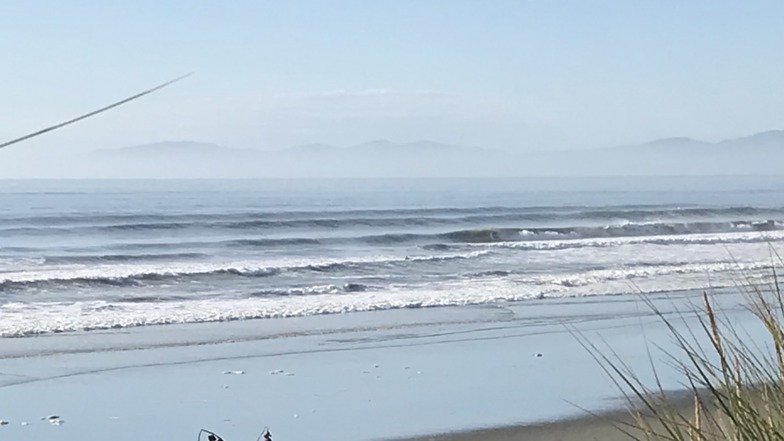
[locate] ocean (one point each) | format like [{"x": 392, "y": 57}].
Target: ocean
[{"x": 94, "y": 255}]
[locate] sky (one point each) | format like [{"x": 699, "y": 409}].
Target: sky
[{"x": 513, "y": 75}]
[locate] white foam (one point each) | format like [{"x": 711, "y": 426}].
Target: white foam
[
  {"x": 249, "y": 267},
  {"x": 700, "y": 239},
  {"x": 33, "y": 318}
]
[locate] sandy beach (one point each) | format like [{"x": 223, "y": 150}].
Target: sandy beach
[
  {"x": 614, "y": 425},
  {"x": 365, "y": 376},
  {"x": 588, "y": 428}
]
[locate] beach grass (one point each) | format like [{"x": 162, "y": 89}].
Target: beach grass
[{"x": 736, "y": 383}]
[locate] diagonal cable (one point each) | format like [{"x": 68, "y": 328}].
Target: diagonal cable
[{"x": 94, "y": 112}]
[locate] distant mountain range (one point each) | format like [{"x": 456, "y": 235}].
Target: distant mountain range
[{"x": 762, "y": 153}]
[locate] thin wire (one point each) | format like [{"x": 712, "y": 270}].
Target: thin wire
[{"x": 94, "y": 112}]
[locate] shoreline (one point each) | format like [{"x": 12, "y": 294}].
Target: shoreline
[{"x": 539, "y": 312}]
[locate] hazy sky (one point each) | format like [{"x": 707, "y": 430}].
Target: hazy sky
[{"x": 526, "y": 75}]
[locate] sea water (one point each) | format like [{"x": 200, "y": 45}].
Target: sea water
[{"x": 91, "y": 255}]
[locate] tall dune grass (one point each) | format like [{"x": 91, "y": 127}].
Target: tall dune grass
[{"x": 736, "y": 384}]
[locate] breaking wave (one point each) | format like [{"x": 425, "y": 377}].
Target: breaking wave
[
  {"x": 621, "y": 230},
  {"x": 139, "y": 275}
]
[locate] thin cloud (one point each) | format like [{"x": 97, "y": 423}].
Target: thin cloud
[{"x": 347, "y": 94}]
